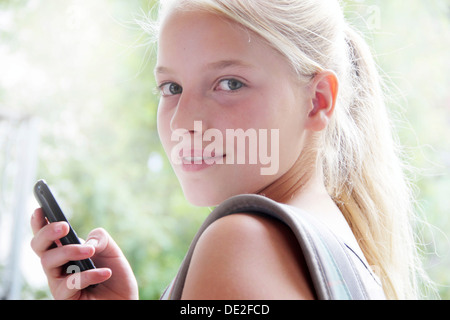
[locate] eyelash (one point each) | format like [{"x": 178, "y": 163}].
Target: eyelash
[
  {"x": 240, "y": 83},
  {"x": 163, "y": 86}
]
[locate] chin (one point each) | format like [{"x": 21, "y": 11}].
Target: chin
[
  {"x": 213, "y": 190},
  {"x": 210, "y": 195},
  {"x": 202, "y": 198}
]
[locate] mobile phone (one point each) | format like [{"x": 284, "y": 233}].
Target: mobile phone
[{"x": 54, "y": 213}]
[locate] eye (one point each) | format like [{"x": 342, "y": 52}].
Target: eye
[
  {"x": 230, "y": 85},
  {"x": 170, "y": 89}
]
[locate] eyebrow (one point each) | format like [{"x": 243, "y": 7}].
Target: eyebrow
[
  {"x": 218, "y": 65},
  {"x": 161, "y": 69},
  {"x": 222, "y": 64}
]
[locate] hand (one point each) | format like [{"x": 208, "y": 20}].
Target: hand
[{"x": 113, "y": 274}]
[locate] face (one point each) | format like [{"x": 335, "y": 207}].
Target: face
[{"x": 220, "y": 85}]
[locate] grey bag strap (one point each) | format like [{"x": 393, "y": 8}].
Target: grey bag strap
[{"x": 332, "y": 271}]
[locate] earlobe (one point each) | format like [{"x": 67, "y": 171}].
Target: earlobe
[{"x": 324, "y": 89}]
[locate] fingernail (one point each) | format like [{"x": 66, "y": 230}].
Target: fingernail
[
  {"x": 104, "y": 272},
  {"x": 58, "y": 229},
  {"x": 92, "y": 242},
  {"x": 85, "y": 250}
]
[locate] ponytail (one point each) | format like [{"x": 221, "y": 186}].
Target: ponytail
[{"x": 364, "y": 174}]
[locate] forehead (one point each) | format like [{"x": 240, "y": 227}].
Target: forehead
[{"x": 205, "y": 36}]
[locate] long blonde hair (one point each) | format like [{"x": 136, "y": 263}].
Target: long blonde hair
[{"x": 359, "y": 155}]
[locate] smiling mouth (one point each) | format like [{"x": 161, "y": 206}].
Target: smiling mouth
[
  {"x": 202, "y": 160},
  {"x": 200, "y": 163}
]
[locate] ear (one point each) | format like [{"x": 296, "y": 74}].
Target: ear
[{"x": 323, "y": 91}]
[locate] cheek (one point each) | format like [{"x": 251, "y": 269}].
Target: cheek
[
  {"x": 253, "y": 112},
  {"x": 163, "y": 127},
  {"x": 287, "y": 115}
]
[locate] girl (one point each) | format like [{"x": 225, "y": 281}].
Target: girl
[{"x": 297, "y": 69}]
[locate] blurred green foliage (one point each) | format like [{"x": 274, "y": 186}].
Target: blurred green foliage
[{"x": 85, "y": 70}]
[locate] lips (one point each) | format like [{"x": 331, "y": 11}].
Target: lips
[
  {"x": 202, "y": 159},
  {"x": 195, "y": 160}
]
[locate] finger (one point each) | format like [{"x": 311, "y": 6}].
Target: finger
[
  {"x": 70, "y": 287},
  {"x": 48, "y": 235},
  {"x": 53, "y": 260},
  {"x": 105, "y": 246},
  {"x": 37, "y": 220},
  {"x": 94, "y": 276}
]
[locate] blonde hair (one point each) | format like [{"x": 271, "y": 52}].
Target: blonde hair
[{"x": 362, "y": 168}]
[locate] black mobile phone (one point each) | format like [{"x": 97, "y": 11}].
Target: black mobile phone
[{"x": 54, "y": 213}]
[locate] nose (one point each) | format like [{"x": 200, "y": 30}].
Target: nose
[{"x": 189, "y": 109}]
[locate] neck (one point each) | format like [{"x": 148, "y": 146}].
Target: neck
[
  {"x": 305, "y": 190},
  {"x": 303, "y": 177},
  {"x": 303, "y": 187}
]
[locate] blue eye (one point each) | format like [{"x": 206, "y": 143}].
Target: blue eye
[
  {"x": 170, "y": 89},
  {"x": 230, "y": 85}
]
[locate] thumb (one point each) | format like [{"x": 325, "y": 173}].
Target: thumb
[{"x": 103, "y": 243}]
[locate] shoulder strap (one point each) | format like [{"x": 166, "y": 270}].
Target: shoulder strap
[{"x": 332, "y": 271}]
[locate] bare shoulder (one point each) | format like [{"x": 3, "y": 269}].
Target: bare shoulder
[{"x": 245, "y": 256}]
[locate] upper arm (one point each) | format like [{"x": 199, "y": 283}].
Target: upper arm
[{"x": 244, "y": 256}]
